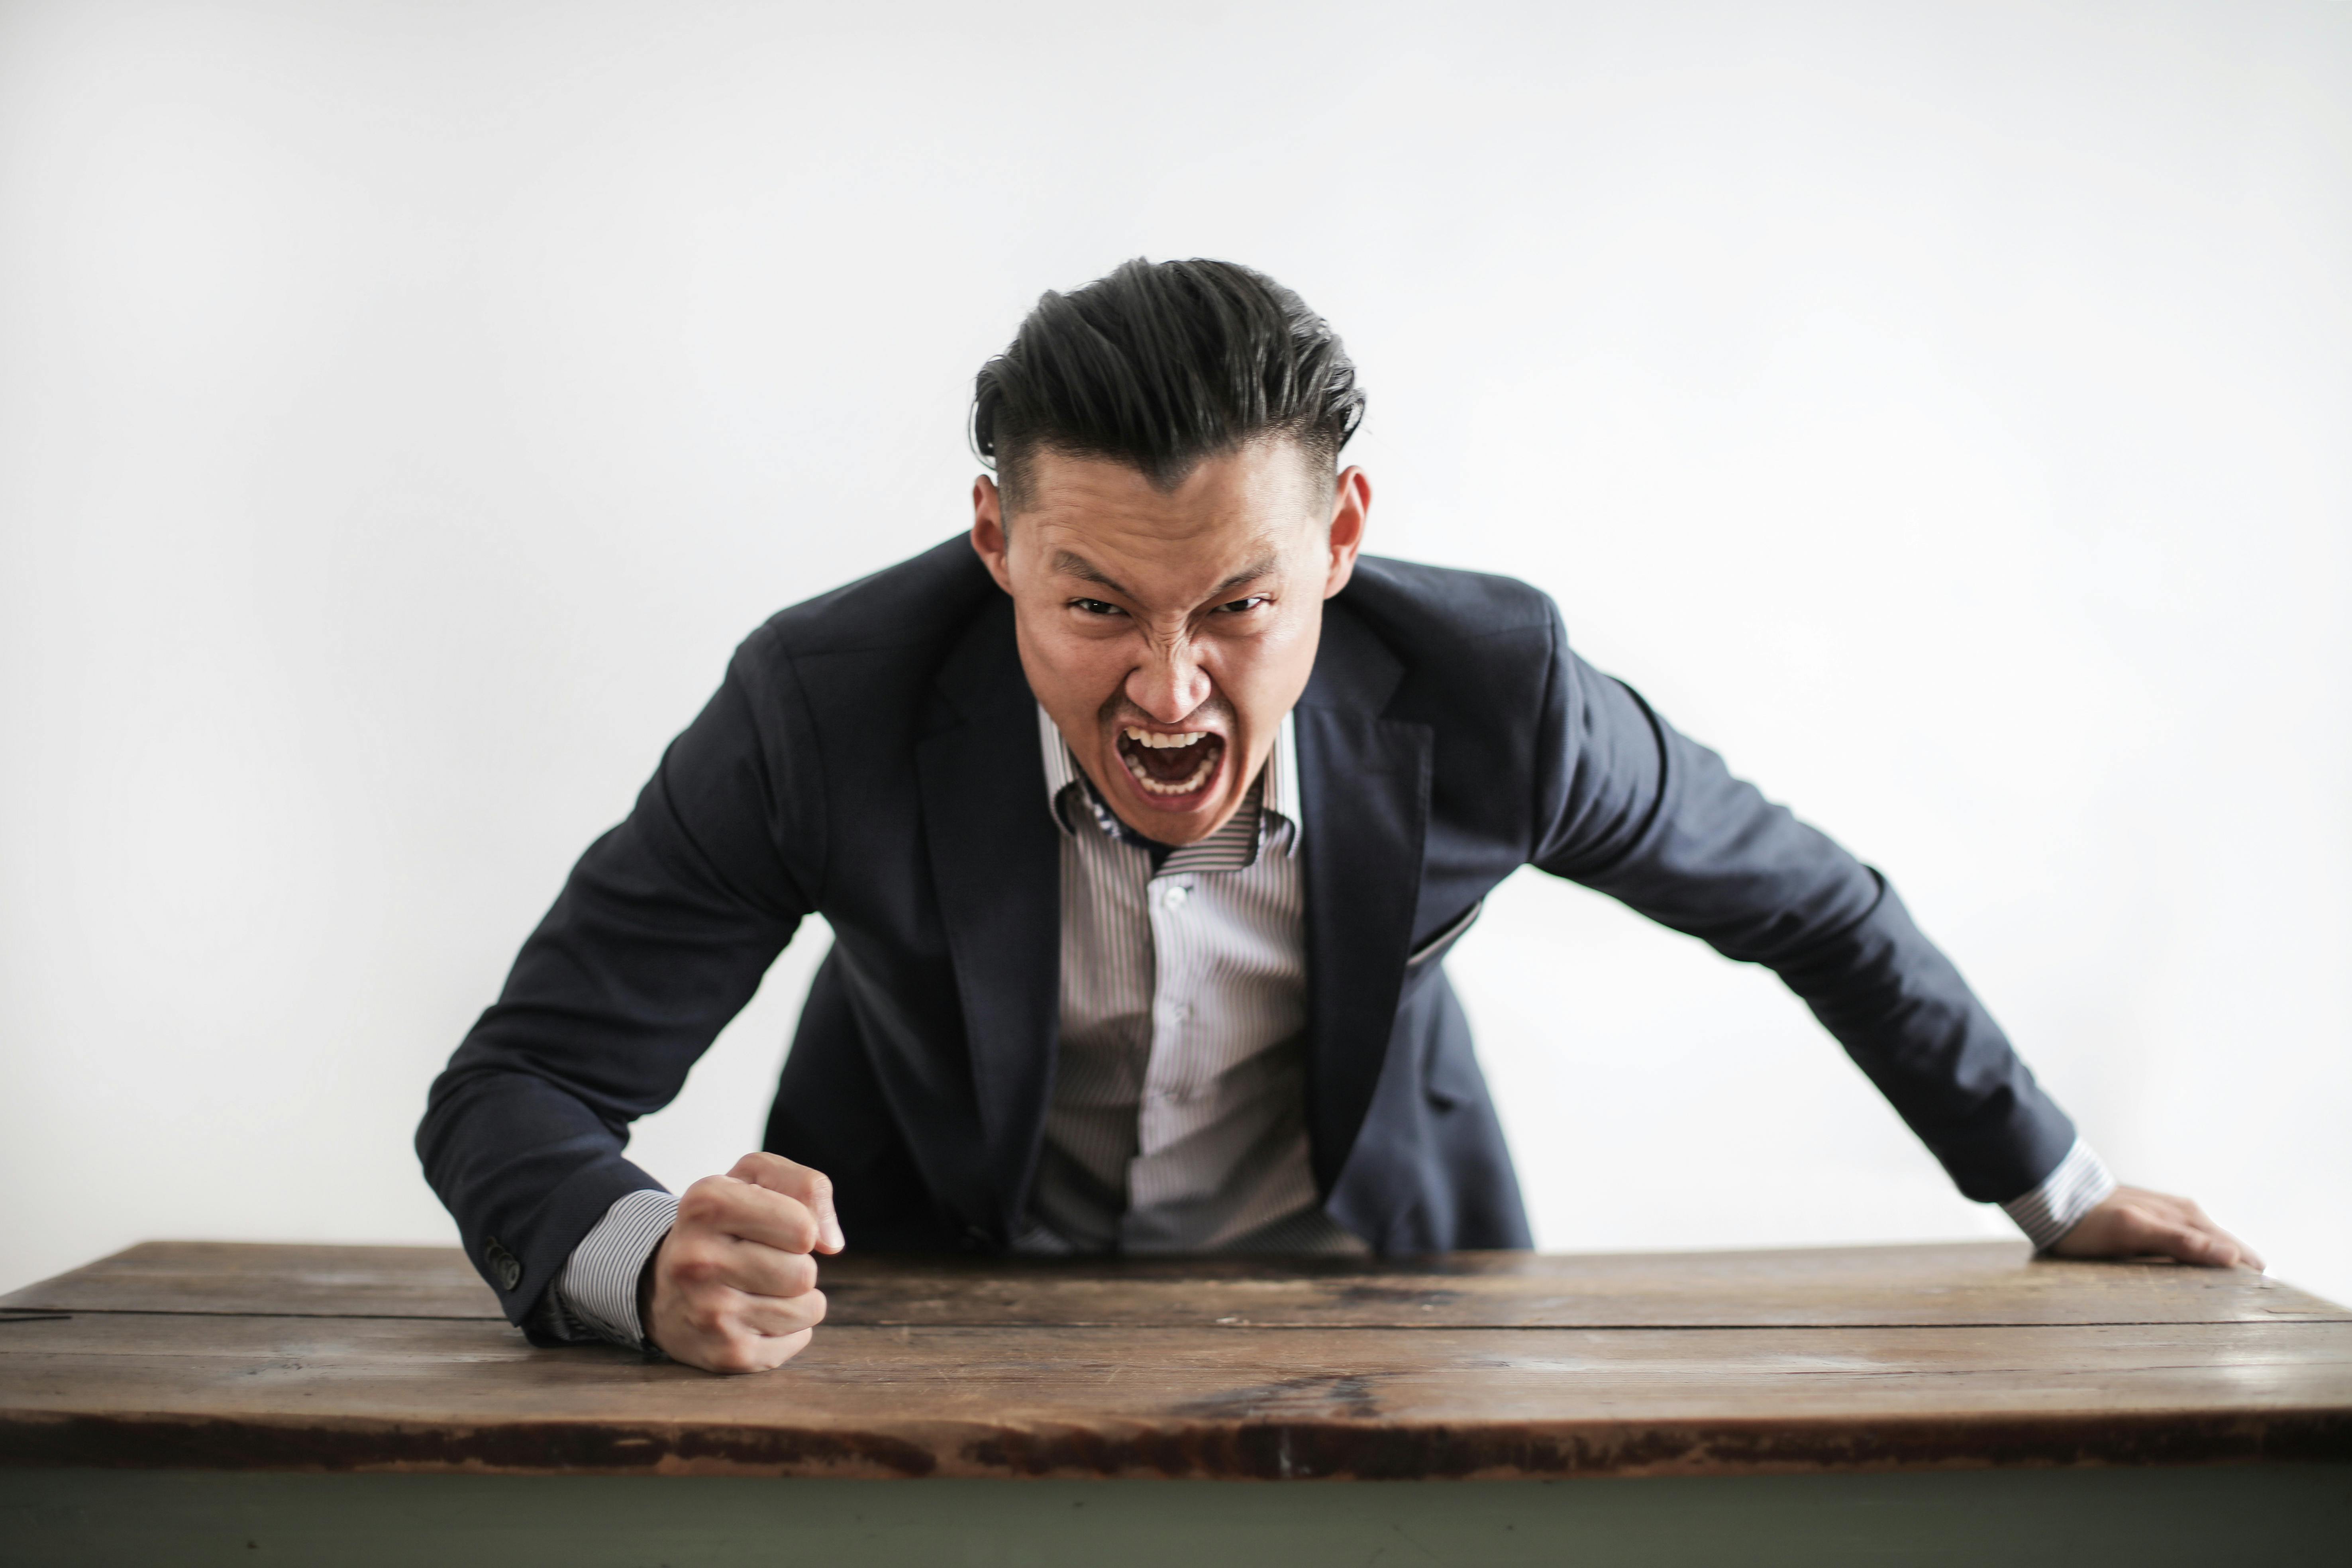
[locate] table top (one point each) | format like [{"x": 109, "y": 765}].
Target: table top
[{"x": 1465, "y": 1364}]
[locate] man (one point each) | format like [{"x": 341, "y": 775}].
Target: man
[{"x": 1143, "y": 821}]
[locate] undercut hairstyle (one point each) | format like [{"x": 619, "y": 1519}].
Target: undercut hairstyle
[{"x": 1158, "y": 365}]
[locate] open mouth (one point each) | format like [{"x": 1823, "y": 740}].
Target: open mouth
[{"x": 1170, "y": 766}]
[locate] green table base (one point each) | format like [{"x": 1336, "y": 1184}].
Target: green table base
[{"x": 2013, "y": 1518}]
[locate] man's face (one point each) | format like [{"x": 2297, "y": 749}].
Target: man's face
[{"x": 1167, "y": 632}]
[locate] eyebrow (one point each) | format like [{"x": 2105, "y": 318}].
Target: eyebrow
[
  {"x": 1071, "y": 563},
  {"x": 1261, "y": 567}
]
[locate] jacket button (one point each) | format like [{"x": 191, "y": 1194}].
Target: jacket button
[{"x": 503, "y": 1267}]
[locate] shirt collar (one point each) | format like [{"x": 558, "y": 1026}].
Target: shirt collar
[{"x": 1279, "y": 822}]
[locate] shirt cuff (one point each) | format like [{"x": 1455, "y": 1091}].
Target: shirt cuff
[
  {"x": 2079, "y": 1184},
  {"x": 595, "y": 1294}
]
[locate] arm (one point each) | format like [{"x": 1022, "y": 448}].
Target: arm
[
  {"x": 1635, "y": 810},
  {"x": 659, "y": 937}
]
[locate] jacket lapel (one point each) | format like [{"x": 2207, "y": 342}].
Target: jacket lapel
[
  {"x": 1365, "y": 783},
  {"x": 996, "y": 863}
]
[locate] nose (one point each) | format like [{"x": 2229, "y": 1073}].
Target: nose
[{"x": 1170, "y": 682}]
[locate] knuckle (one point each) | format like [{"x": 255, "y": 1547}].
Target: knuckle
[
  {"x": 751, "y": 1351},
  {"x": 792, "y": 1313},
  {"x": 787, "y": 1223}
]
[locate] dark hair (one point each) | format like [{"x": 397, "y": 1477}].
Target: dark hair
[{"x": 1160, "y": 364}]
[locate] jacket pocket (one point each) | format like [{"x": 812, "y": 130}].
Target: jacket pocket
[{"x": 1436, "y": 947}]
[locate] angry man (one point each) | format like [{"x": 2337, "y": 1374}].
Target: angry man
[{"x": 1143, "y": 818}]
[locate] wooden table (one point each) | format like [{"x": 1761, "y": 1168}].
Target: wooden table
[{"x": 1946, "y": 1403}]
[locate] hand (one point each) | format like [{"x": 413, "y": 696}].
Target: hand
[
  {"x": 2133, "y": 1222},
  {"x": 734, "y": 1287}
]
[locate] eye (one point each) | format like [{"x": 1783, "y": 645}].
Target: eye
[
  {"x": 1242, "y": 607},
  {"x": 1096, "y": 607}
]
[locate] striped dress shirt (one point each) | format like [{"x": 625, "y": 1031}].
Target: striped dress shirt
[
  {"x": 1178, "y": 1117},
  {"x": 1178, "y": 1121}
]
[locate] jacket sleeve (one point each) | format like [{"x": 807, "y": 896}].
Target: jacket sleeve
[
  {"x": 660, "y": 935},
  {"x": 1630, "y": 807}
]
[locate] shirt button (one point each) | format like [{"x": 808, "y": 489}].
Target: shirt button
[{"x": 1174, "y": 897}]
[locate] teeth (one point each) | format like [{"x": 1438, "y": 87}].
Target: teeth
[
  {"x": 1185, "y": 785},
  {"x": 1164, "y": 743}
]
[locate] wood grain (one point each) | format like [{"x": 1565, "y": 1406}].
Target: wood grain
[
  {"x": 1469, "y": 1364},
  {"x": 230, "y": 1276},
  {"x": 1986, "y": 1283},
  {"x": 422, "y": 1394},
  {"x": 1989, "y": 1283}
]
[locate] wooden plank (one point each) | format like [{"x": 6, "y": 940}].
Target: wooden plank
[
  {"x": 435, "y": 1395},
  {"x": 280, "y": 1279},
  {"x": 1994, "y": 1282},
  {"x": 1986, "y": 1283}
]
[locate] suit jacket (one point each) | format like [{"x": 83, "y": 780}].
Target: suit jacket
[{"x": 872, "y": 757}]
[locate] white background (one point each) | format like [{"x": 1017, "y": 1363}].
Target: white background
[{"x": 1941, "y": 409}]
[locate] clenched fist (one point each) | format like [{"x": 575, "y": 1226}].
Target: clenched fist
[{"x": 734, "y": 1287}]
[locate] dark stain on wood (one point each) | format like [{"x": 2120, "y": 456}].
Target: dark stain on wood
[
  {"x": 1300, "y": 1449},
  {"x": 1341, "y": 1394},
  {"x": 528, "y": 1448}
]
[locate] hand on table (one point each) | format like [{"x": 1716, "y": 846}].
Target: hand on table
[
  {"x": 2133, "y": 1222},
  {"x": 734, "y": 1286}
]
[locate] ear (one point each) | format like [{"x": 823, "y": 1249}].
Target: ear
[
  {"x": 989, "y": 540},
  {"x": 1352, "y": 507}
]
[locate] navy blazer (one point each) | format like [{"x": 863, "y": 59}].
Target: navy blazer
[{"x": 872, "y": 757}]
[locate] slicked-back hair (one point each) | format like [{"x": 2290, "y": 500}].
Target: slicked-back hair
[{"x": 1160, "y": 364}]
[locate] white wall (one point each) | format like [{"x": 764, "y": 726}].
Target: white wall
[{"x": 1941, "y": 409}]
